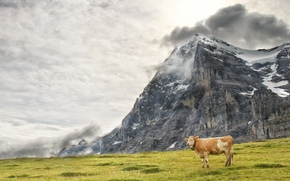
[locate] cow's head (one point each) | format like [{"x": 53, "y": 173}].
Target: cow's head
[{"x": 190, "y": 141}]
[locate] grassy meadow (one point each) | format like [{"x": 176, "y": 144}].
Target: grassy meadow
[{"x": 267, "y": 160}]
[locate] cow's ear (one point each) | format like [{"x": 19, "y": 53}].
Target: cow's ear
[{"x": 196, "y": 137}]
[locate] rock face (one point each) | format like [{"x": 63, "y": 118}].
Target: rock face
[{"x": 207, "y": 88}]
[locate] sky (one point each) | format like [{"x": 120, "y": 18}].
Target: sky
[{"x": 73, "y": 69}]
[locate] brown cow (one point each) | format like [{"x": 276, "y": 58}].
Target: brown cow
[{"x": 203, "y": 147}]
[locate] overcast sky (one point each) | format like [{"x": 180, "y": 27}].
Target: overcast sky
[{"x": 69, "y": 66}]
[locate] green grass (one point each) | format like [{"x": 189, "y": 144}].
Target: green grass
[{"x": 267, "y": 160}]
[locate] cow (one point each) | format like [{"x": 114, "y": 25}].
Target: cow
[{"x": 203, "y": 147}]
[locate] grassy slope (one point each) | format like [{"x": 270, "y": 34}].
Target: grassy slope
[{"x": 268, "y": 160}]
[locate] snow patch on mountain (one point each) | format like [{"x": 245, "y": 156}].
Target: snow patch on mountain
[
  {"x": 135, "y": 125},
  {"x": 180, "y": 88},
  {"x": 117, "y": 142},
  {"x": 249, "y": 93},
  {"x": 172, "y": 146},
  {"x": 274, "y": 86},
  {"x": 253, "y": 56}
]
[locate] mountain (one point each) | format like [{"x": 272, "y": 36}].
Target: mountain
[{"x": 206, "y": 87}]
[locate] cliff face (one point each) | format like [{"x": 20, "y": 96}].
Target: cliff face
[{"x": 207, "y": 88}]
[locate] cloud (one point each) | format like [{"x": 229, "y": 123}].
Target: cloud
[
  {"x": 88, "y": 133},
  {"x": 48, "y": 147},
  {"x": 237, "y": 26},
  {"x": 67, "y": 63}
]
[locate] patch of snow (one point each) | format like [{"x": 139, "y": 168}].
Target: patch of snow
[
  {"x": 249, "y": 93},
  {"x": 264, "y": 60},
  {"x": 208, "y": 50},
  {"x": 171, "y": 146},
  {"x": 181, "y": 87},
  {"x": 176, "y": 82},
  {"x": 252, "y": 56},
  {"x": 117, "y": 142},
  {"x": 219, "y": 59},
  {"x": 135, "y": 125},
  {"x": 274, "y": 86},
  {"x": 261, "y": 69},
  {"x": 178, "y": 88}
]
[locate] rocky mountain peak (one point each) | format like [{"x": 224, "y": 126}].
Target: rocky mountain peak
[{"x": 206, "y": 87}]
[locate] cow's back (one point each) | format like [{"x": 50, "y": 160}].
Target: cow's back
[
  {"x": 207, "y": 145},
  {"x": 229, "y": 139},
  {"x": 217, "y": 145}
]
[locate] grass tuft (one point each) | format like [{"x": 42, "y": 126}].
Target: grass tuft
[
  {"x": 18, "y": 176},
  {"x": 115, "y": 179},
  {"x": 148, "y": 166},
  {"x": 14, "y": 165},
  {"x": 105, "y": 164},
  {"x": 108, "y": 164},
  {"x": 138, "y": 167},
  {"x": 73, "y": 174},
  {"x": 263, "y": 165},
  {"x": 268, "y": 145},
  {"x": 132, "y": 168},
  {"x": 151, "y": 170}
]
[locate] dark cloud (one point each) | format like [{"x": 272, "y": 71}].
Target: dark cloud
[
  {"x": 5, "y": 4},
  {"x": 181, "y": 34},
  {"x": 226, "y": 17},
  {"x": 88, "y": 132},
  {"x": 237, "y": 26},
  {"x": 17, "y": 3}
]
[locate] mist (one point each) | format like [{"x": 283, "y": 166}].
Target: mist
[{"x": 49, "y": 146}]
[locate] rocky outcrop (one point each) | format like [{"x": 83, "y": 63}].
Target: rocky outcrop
[{"x": 207, "y": 88}]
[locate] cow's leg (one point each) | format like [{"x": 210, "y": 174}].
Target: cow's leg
[
  {"x": 227, "y": 162},
  {"x": 230, "y": 156},
  {"x": 229, "y": 159},
  {"x": 202, "y": 161},
  {"x": 206, "y": 160}
]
